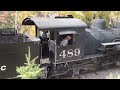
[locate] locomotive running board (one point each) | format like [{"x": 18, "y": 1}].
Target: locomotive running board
[
  {"x": 108, "y": 45},
  {"x": 85, "y": 57}
]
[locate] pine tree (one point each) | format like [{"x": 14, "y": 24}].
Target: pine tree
[{"x": 30, "y": 70}]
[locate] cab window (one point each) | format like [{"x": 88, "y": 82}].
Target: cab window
[
  {"x": 66, "y": 37},
  {"x": 64, "y": 40}
]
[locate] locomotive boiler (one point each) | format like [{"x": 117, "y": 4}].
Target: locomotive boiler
[{"x": 99, "y": 35}]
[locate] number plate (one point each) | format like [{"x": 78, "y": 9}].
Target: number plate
[{"x": 69, "y": 54}]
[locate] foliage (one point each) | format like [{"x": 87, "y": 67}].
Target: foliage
[
  {"x": 21, "y": 16},
  {"x": 1, "y": 12},
  {"x": 86, "y": 16},
  {"x": 30, "y": 70},
  {"x": 10, "y": 20}
]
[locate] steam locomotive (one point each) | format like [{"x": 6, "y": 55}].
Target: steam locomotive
[{"x": 89, "y": 49}]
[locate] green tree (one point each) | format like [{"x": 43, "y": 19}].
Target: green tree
[
  {"x": 31, "y": 70},
  {"x": 10, "y": 20}
]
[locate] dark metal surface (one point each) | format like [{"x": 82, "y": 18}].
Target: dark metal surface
[
  {"x": 99, "y": 34},
  {"x": 117, "y": 24},
  {"x": 67, "y": 32},
  {"x": 43, "y": 23},
  {"x": 13, "y": 38},
  {"x": 7, "y": 31}
]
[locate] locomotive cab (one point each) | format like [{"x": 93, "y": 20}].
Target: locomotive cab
[{"x": 59, "y": 29}]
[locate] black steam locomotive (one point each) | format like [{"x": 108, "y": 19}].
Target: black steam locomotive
[{"x": 88, "y": 49}]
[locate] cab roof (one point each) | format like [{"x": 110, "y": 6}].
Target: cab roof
[{"x": 50, "y": 23}]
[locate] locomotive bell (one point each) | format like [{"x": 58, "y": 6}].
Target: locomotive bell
[{"x": 99, "y": 24}]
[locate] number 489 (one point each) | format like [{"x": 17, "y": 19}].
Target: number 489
[{"x": 70, "y": 53}]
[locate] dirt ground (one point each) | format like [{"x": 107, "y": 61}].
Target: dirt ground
[{"x": 103, "y": 74}]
